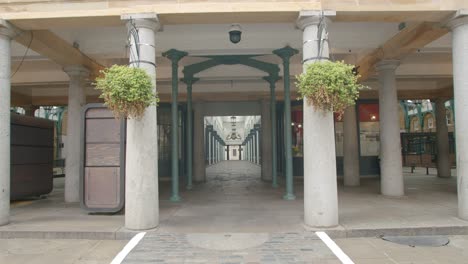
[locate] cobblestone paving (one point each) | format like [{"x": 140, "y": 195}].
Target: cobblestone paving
[{"x": 279, "y": 248}]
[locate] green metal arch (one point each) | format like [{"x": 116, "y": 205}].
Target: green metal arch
[{"x": 216, "y": 60}]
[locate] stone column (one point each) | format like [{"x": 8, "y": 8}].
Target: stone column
[
  {"x": 74, "y": 155},
  {"x": 266, "y": 141},
  {"x": 141, "y": 172},
  {"x": 244, "y": 151},
  {"x": 198, "y": 144},
  {"x": 223, "y": 151},
  {"x": 5, "y": 99},
  {"x": 443, "y": 152},
  {"x": 350, "y": 148},
  {"x": 390, "y": 145},
  {"x": 320, "y": 184},
  {"x": 460, "y": 82}
]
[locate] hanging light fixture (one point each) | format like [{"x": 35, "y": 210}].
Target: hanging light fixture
[{"x": 233, "y": 135}]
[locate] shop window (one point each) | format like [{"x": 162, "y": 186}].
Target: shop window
[
  {"x": 369, "y": 129},
  {"x": 297, "y": 130},
  {"x": 430, "y": 123},
  {"x": 338, "y": 135}
]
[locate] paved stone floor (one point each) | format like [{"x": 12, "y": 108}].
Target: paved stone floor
[
  {"x": 236, "y": 218},
  {"x": 61, "y": 251},
  {"x": 278, "y": 248},
  {"x": 234, "y": 199},
  {"x": 254, "y": 248},
  {"x": 282, "y": 248}
]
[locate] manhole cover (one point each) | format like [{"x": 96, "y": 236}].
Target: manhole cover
[
  {"x": 418, "y": 241},
  {"x": 227, "y": 241}
]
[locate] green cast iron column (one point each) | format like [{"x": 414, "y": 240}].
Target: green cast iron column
[
  {"x": 286, "y": 53},
  {"x": 175, "y": 56},
  {"x": 252, "y": 149},
  {"x": 213, "y": 147},
  {"x": 257, "y": 143},
  {"x": 207, "y": 145},
  {"x": 274, "y": 167},
  {"x": 189, "y": 81}
]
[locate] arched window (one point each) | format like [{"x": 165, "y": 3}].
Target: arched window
[{"x": 414, "y": 124}]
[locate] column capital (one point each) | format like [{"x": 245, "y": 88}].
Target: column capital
[
  {"x": 189, "y": 80},
  {"x": 460, "y": 18},
  {"x": 76, "y": 71},
  {"x": 441, "y": 100},
  {"x": 8, "y": 30},
  {"x": 142, "y": 20},
  {"x": 174, "y": 55},
  {"x": 271, "y": 79},
  {"x": 313, "y": 17},
  {"x": 285, "y": 53},
  {"x": 387, "y": 65}
]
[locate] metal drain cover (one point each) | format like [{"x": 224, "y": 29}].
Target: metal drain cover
[{"x": 418, "y": 241}]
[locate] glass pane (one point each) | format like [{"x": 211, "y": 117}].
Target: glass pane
[
  {"x": 297, "y": 130},
  {"x": 369, "y": 129},
  {"x": 338, "y": 135}
]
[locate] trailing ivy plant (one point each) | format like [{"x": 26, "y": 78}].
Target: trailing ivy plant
[
  {"x": 329, "y": 86},
  {"x": 127, "y": 91}
]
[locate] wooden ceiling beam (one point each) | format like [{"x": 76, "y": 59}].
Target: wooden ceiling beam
[
  {"x": 407, "y": 41},
  {"x": 58, "y": 50},
  {"x": 19, "y": 99}
]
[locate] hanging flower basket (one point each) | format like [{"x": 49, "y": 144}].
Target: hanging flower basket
[
  {"x": 127, "y": 91},
  {"x": 329, "y": 86}
]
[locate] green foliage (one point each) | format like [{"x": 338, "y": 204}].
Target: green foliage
[
  {"x": 329, "y": 86},
  {"x": 127, "y": 91}
]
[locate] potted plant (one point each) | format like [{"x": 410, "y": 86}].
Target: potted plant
[
  {"x": 329, "y": 86},
  {"x": 127, "y": 91}
]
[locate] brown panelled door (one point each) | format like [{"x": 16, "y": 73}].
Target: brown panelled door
[{"x": 102, "y": 177}]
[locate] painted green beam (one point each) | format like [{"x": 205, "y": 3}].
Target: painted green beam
[
  {"x": 189, "y": 81},
  {"x": 272, "y": 79},
  {"x": 285, "y": 54},
  {"x": 175, "y": 56},
  {"x": 247, "y": 60}
]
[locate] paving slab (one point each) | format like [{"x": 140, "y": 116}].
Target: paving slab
[
  {"x": 226, "y": 248},
  {"x": 235, "y": 200}
]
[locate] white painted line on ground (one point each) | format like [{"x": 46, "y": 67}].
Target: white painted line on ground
[
  {"x": 130, "y": 245},
  {"x": 334, "y": 248}
]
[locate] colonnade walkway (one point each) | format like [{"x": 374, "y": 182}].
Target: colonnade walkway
[{"x": 235, "y": 199}]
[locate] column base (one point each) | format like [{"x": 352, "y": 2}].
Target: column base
[
  {"x": 4, "y": 222},
  {"x": 444, "y": 176},
  {"x": 175, "y": 198},
  {"x": 274, "y": 185},
  {"x": 289, "y": 197},
  {"x": 189, "y": 187}
]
